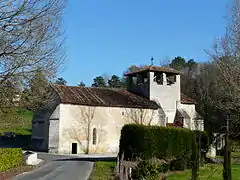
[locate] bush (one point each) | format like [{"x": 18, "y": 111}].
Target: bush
[
  {"x": 9, "y": 158},
  {"x": 164, "y": 166},
  {"x": 179, "y": 164},
  {"x": 139, "y": 141},
  {"x": 149, "y": 169}
]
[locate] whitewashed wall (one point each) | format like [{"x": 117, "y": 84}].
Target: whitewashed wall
[
  {"x": 190, "y": 109},
  {"x": 109, "y": 120},
  {"x": 166, "y": 95}
]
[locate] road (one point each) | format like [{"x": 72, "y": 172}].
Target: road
[{"x": 58, "y": 167}]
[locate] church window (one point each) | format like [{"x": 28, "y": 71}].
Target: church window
[{"x": 94, "y": 136}]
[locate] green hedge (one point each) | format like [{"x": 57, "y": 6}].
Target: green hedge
[
  {"x": 139, "y": 141},
  {"x": 9, "y": 158}
]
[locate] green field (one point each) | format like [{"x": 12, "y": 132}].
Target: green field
[
  {"x": 18, "y": 121},
  {"x": 213, "y": 172}
]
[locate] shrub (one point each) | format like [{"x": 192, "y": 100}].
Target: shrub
[
  {"x": 139, "y": 141},
  {"x": 164, "y": 166},
  {"x": 9, "y": 158},
  {"x": 179, "y": 164},
  {"x": 149, "y": 169}
]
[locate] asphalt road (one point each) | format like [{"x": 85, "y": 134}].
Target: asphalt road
[{"x": 57, "y": 167}]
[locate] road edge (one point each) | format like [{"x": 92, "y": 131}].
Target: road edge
[
  {"x": 90, "y": 172},
  {"x": 34, "y": 168}
]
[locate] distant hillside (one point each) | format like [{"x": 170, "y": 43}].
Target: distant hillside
[{"x": 17, "y": 120}]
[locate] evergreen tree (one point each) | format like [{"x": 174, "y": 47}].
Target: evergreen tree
[{"x": 99, "y": 82}]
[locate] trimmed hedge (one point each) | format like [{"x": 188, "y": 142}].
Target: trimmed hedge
[
  {"x": 145, "y": 142},
  {"x": 10, "y": 158}
]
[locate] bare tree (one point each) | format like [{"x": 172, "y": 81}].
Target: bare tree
[
  {"x": 165, "y": 62},
  {"x": 226, "y": 51},
  {"x": 30, "y": 41},
  {"x": 140, "y": 115},
  {"x": 82, "y": 129},
  {"x": 226, "y": 57}
]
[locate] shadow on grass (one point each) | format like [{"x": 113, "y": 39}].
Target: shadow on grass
[{"x": 92, "y": 159}]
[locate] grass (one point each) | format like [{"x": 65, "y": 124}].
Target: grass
[
  {"x": 208, "y": 172},
  {"x": 20, "y": 122},
  {"x": 103, "y": 171}
]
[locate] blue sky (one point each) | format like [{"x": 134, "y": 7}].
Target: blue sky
[{"x": 107, "y": 36}]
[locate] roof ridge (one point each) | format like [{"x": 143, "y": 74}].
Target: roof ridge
[{"x": 89, "y": 87}]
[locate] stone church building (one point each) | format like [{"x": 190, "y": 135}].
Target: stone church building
[{"x": 89, "y": 119}]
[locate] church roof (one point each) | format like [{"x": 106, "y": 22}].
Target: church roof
[
  {"x": 153, "y": 69},
  {"x": 106, "y": 97},
  {"x": 187, "y": 100}
]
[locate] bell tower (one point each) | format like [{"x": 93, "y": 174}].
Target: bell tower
[{"x": 159, "y": 84}]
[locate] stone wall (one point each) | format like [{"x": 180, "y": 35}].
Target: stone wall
[{"x": 108, "y": 122}]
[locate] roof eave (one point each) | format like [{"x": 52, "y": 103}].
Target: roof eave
[
  {"x": 119, "y": 106},
  {"x": 189, "y": 103},
  {"x": 150, "y": 70}
]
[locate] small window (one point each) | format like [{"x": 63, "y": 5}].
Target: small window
[
  {"x": 123, "y": 113},
  {"x": 94, "y": 136}
]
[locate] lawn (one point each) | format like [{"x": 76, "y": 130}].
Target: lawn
[
  {"x": 103, "y": 171},
  {"x": 210, "y": 171}
]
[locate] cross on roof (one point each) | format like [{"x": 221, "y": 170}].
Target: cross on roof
[{"x": 152, "y": 61}]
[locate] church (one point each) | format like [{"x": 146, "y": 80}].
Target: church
[{"x": 89, "y": 119}]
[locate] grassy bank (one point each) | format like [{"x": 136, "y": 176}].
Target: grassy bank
[
  {"x": 18, "y": 121},
  {"x": 213, "y": 172},
  {"x": 103, "y": 171}
]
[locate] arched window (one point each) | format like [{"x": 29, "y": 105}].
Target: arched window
[{"x": 94, "y": 136}]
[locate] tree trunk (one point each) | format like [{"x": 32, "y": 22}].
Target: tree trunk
[
  {"x": 88, "y": 138},
  {"x": 195, "y": 159},
  {"x": 227, "y": 174}
]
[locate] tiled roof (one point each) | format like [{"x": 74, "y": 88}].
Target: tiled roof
[
  {"x": 107, "y": 97},
  {"x": 187, "y": 100},
  {"x": 154, "y": 69}
]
